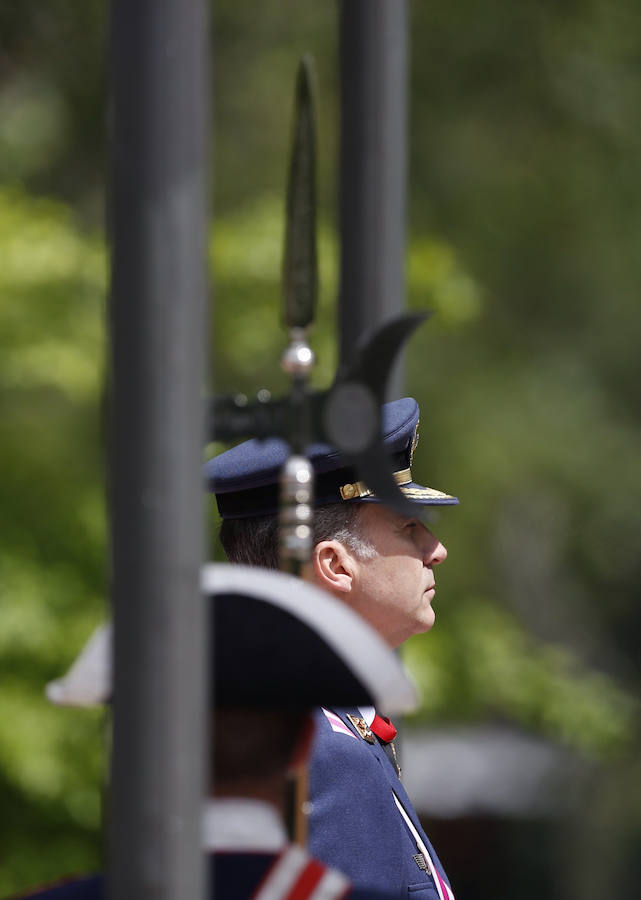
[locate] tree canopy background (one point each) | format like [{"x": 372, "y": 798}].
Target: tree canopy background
[{"x": 523, "y": 232}]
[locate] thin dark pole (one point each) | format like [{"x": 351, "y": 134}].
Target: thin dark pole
[
  {"x": 373, "y": 167},
  {"x": 157, "y": 318}
]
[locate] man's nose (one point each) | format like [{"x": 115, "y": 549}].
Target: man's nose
[
  {"x": 435, "y": 552},
  {"x": 440, "y": 554}
]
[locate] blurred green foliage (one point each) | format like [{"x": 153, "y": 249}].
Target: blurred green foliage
[
  {"x": 52, "y": 558},
  {"x": 525, "y": 211}
]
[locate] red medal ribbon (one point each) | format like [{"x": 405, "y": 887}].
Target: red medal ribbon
[{"x": 383, "y": 728}]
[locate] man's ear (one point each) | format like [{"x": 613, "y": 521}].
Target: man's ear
[{"x": 333, "y": 566}]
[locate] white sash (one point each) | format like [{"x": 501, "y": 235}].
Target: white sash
[{"x": 443, "y": 890}]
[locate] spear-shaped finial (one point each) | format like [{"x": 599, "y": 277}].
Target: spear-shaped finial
[{"x": 300, "y": 266}]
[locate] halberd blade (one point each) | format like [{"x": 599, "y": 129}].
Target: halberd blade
[
  {"x": 352, "y": 413},
  {"x": 377, "y": 354},
  {"x": 300, "y": 267}
]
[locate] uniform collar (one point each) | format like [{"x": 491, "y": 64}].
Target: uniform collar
[
  {"x": 367, "y": 713},
  {"x": 239, "y": 825}
]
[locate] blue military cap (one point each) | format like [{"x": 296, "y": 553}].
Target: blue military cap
[
  {"x": 277, "y": 641},
  {"x": 245, "y": 479}
]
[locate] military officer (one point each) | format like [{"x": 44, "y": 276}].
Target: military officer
[
  {"x": 382, "y": 565},
  {"x": 280, "y": 647}
]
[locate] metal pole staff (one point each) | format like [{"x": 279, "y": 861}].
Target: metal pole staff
[
  {"x": 373, "y": 168},
  {"x": 157, "y": 317}
]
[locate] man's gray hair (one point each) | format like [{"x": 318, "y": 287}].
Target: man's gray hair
[{"x": 254, "y": 540}]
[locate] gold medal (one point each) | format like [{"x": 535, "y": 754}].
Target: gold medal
[{"x": 363, "y": 728}]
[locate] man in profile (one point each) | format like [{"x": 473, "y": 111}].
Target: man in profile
[{"x": 382, "y": 565}]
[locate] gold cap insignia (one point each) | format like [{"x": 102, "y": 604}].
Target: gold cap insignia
[{"x": 414, "y": 443}]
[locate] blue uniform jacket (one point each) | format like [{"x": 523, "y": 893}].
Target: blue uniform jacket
[{"x": 354, "y": 823}]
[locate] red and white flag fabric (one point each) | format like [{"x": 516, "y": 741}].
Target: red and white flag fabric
[{"x": 296, "y": 876}]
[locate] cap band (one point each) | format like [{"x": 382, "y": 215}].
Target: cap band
[{"x": 358, "y": 489}]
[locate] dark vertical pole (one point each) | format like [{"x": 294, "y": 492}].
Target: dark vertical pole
[
  {"x": 373, "y": 167},
  {"x": 157, "y": 317}
]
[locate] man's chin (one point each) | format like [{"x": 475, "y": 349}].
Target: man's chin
[{"x": 427, "y": 621}]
